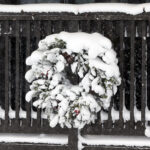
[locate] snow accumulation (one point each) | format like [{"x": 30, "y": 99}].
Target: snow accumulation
[
  {"x": 95, "y": 43},
  {"x": 86, "y": 139},
  {"x": 132, "y": 9},
  {"x": 34, "y": 138},
  {"x": 147, "y": 131},
  {"x": 114, "y": 140}
]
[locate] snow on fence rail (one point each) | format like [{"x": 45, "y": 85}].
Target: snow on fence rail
[
  {"x": 34, "y": 138},
  {"x": 132, "y": 9},
  {"x": 130, "y": 108}
]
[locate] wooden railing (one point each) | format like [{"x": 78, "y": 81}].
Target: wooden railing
[{"x": 130, "y": 35}]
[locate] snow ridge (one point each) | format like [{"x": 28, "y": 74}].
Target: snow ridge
[{"x": 132, "y": 9}]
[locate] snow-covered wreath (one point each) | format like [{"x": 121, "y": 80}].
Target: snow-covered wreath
[{"x": 73, "y": 76}]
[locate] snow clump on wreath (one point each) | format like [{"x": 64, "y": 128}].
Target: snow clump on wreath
[{"x": 72, "y": 76}]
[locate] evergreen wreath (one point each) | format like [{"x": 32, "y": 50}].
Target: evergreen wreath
[{"x": 73, "y": 76}]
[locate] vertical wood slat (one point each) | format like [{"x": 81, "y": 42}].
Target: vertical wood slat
[
  {"x": 132, "y": 80},
  {"x": 121, "y": 101},
  {"x": 73, "y": 139},
  {"x": 84, "y": 25},
  {"x": 38, "y": 23},
  {"x": 148, "y": 68},
  {"x": 22, "y": 35},
  {"x": 73, "y": 26},
  {"x": 17, "y": 91},
  {"x": 49, "y": 26},
  {"x": 6, "y": 28},
  {"x": 109, "y": 122},
  {"x": 28, "y": 105},
  {"x": 22, "y": 66},
  {"x": 144, "y": 61},
  {"x": 57, "y": 26},
  {"x": 11, "y": 77},
  {"x": 99, "y": 26},
  {"x": 2, "y": 66},
  {"x": 108, "y": 30}
]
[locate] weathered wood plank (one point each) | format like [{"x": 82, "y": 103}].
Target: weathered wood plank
[
  {"x": 73, "y": 139},
  {"x": 17, "y": 79},
  {"x": 38, "y": 37},
  {"x": 71, "y": 16},
  {"x": 132, "y": 79},
  {"x": 144, "y": 72},
  {"x": 29, "y": 146},
  {"x": 6, "y": 74},
  {"x": 103, "y": 147},
  {"x": 121, "y": 89},
  {"x": 28, "y": 51}
]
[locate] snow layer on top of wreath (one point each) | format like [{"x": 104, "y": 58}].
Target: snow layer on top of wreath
[
  {"x": 95, "y": 43},
  {"x": 132, "y": 9}
]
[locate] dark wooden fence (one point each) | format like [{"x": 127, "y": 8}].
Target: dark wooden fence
[{"x": 19, "y": 36}]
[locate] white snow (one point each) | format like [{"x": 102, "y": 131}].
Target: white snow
[
  {"x": 54, "y": 121},
  {"x": 97, "y": 88},
  {"x": 22, "y": 113},
  {"x": 126, "y": 114},
  {"x": 112, "y": 140},
  {"x": 104, "y": 116},
  {"x": 29, "y": 76},
  {"x": 147, "y": 131},
  {"x": 60, "y": 66},
  {"x": 110, "y": 70},
  {"x": 132, "y": 9},
  {"x": 33, "y": 138},
  {"x": 115, "y": 140},
  {"x": 95, "y": 43},
  {"x": 2, "y": 113},
  {"x": 30, "y": 95},
  {"x": 86, "y": 139},
  {"x": 36, "y": 56},
  {"x": 114, "y": 114}
]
